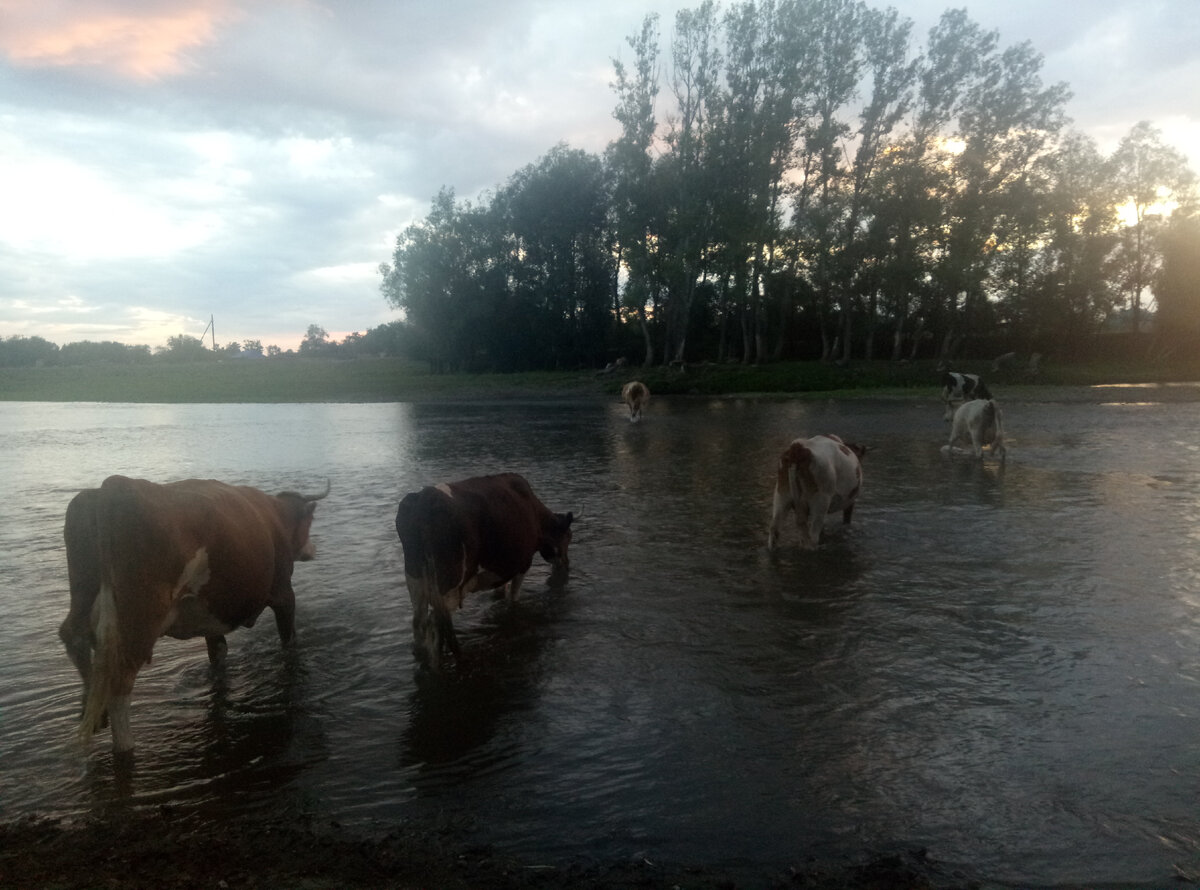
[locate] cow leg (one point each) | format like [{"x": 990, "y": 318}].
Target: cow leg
[
  {"x": 847, "y": 513},
  {"x": 814, "y": 521},
  {"x": 779, "y": 507},
  {"x": 977, "y": 443},
  {"x": 112, "y": 709},
  {"x": 957, "y": 432},
  {"x": 514, "y": 587},
  {"x": 426, "y": 646},
  {"x": 447, "y": 638},
  {"x": 433, "y": 629},
  {"x": 426, "y": 641},
  {"x": 122, "y": 732},
  {"x": 804, "y": 523},
  {"x": 284, "y": 608},
  {"x": 216, "y": 648}
]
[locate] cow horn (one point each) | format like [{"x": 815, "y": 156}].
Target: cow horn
[{"x": 322, "y": 495}]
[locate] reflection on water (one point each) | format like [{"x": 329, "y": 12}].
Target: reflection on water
[{"x": 999, "y": 665}]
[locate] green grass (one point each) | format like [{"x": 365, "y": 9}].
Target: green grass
[
  {"x": 375, "y": 380},
  {"x": 270, "y": 380}
]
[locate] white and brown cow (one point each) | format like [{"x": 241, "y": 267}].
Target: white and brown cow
[
  {"x": 186, "y": 559},
  {"x": 958, "y": 387},
  {"x": 475, "y": 534},
  {"x": 816, "y": 477},
  {"x": 981, "y": 423},
  {"x": 635, "y": 395}
]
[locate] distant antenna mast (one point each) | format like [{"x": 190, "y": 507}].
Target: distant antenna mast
[{"x": 210, "y": 327}]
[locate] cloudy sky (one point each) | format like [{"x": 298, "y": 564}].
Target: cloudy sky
[{"x": 164, "y": 162}]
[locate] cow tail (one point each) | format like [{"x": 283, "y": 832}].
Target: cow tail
[
  {"x": 797, "y": 458},
  {"x": 106, "y": 663}
]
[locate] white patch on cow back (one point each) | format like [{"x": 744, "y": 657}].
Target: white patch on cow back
[
  {"x": 189, "y": 616},
  {"x": 444, "y": 488},
  {"x": 195, "y": 574}
]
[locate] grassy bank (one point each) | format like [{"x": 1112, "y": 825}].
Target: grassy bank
[
  {"x": 379, "y": 380},
  {"x": 274, "y": 380}
]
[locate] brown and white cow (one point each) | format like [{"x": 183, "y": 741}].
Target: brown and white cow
[
  {"x": 981, "y": 423},
  {"x": 816, "y": 477},
  {"x": 184, "y": 559},
  {"x": 635, "y": 395},
  {"x": 475, "y": 534}
]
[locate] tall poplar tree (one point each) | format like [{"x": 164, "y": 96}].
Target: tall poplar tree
[{"x": 1149, "y": 177}]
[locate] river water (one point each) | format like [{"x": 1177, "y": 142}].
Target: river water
[{"x": 1001, "y": 666}]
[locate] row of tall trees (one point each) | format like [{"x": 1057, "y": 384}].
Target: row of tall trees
[
  {"x": 818, "y": 187},
  {"x": 522, "y": 280}
]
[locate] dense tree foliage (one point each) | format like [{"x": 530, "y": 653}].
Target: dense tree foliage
[
  {"x": 817, "y": 187},
  {"x": 524, "y": 281}
]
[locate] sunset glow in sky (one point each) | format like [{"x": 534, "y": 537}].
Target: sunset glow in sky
[{"x": 253, "y": 160}]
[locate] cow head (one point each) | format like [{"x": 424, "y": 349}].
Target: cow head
[
  {"x": 298, "y": 510},
  {"x": 555, "y": 539}
]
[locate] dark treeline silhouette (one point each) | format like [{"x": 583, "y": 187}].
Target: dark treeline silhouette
[
  {"x": 17, "y": 351},
  {"x": 796, "y": 179}
]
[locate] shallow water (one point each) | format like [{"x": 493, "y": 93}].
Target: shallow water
[{"x": 1000, "y": 666}]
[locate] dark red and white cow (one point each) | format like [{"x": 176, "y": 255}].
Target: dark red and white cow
[
  {"x": 186, "y": 559},
  {"x": 635, "y": 395},
  {"x": 816, "y": 477},
  {"x": 475, "y": 534},
  {"x": 959, "y": 387},
  {"x": 981, "y": 423}
]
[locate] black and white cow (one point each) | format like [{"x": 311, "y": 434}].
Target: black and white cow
[{"x": 959, "y": 387}]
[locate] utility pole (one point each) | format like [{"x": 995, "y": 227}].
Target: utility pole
[{"x": 211, "y": 326}]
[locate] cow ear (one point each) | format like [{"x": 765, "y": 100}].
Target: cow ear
[{"x": 567, "y": 519}]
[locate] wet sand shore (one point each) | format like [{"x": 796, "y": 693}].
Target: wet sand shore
[{"x": 157, "y": 850}]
